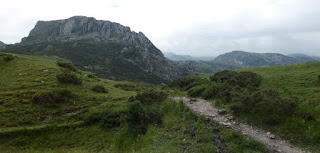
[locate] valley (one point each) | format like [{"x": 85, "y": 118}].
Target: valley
[{"x": 87, "y": 85}]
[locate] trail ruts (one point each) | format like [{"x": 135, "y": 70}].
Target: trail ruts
[{"x": 205, "y": 108}]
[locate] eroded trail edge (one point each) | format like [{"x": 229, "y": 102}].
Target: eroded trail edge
[{"x": 205, "y": 108}]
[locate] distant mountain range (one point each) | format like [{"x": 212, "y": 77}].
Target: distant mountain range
[
  {"x": 176, "y": 57},
  {"x": 113, "y": 51},
  {"x": 306, "y": 57},
  {"x": 238, "y": 59},
  {"x": 246, "y": 59}
]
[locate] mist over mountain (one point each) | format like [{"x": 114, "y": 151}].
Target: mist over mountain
[
  {"x": 175, "y": 57},
  {"x": 305, "y": 57},
  {"x": 247, "y": 59}
]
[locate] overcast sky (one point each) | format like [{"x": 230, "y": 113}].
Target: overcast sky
[{"x": 193, "y": 27}]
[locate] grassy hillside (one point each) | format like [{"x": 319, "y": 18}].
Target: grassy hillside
[
  {"x": 282, "y": 99},
  {"x": 43, "y": 111},
  {"x": 114, "y": 61},
  {"x": 301, "y": 81},
  {"x": 23, "y": 77}
]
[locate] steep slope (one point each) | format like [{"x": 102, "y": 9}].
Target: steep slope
[
  {"x": 81, "y": 27},
  {"x": 106, "y": 48},
  {"x": 2, "y": 45},
  {"x": 246, "y": 59},
  {"x": 91, "y": 121}
]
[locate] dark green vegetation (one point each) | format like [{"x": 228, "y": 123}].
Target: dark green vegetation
[
  {"x": 99, "y": 89},
  {"x": 283, "y": 99},
  {"x": 107, "y": 60},
  {"x": 67, "y": 66},
  {"x": 53, "y": 98},
  {"x": 29, "y": 84},
  {"x": 69, "y": 78},
  {"x": 41, "y": 114}
]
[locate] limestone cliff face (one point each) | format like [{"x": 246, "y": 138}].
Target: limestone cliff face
[
  {"x": 106, "y": 48},
  {"x": 2, "y": 45},
  {"x": 81, "y": 27}
]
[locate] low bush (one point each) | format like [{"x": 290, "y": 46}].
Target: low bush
[
  {"x": 126, "y": 87},
  {"x": 247, "y": 80},
  {"x": 68, "y": 66},
  {"x": 69, "y": 78},
  {"x": 106, "y": 117},
  {"x": 149, "y": 97},
  {"x": 268, "y": 105},
  {"x": 91, "y": 76},
  {"x": 187, "y": 83},
  {"x": 8, "y": 58},
  {"x": 53, "y": 98},
  {"x": 197, "y": 91},
  {"x": 99, "y": 89},
  {"x": 140, "y": 116}
]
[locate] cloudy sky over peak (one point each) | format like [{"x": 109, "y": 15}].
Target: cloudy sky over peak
[{"x": 194, "y": 27}]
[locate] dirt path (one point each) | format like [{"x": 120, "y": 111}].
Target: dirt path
[{"x": 273, "y": 143}]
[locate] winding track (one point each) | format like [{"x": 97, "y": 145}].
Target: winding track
[{"x": 205, "y": 108}]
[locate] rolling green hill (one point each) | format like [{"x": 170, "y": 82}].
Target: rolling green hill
[
  {"x": 47, "y": 105},
  {"x": 282, "y": 99}
]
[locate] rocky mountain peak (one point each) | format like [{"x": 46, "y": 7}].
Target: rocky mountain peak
[
  {"x": 2, "y": 45},
  {"x": 82, "y": 27}
]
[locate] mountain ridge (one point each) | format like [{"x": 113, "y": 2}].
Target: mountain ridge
[
  {"x": 176, "y": 57},
  {"x": 107, "y": 48},
  {"x": 82, "y": 27},
  {"x": 2, "y": 45},
  {"x": 248, "y": 59}
]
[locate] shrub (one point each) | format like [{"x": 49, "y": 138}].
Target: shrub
[
  {"x": 91, "y": 76},
  {"x": 69, "y": 78},
  {"x": 319, "y": 78},
  {"x": 126, "y": 87},
  {"x": 187, "y": 83},
  {"x": 197, "y": 91},
  {"x": 106, "y": 117},
  {"x": 68, "y": 66},
  {"x": 52, "y": 98},
  {"x": 149, "y": 97},
  {"x": 269, "y": 105},
  {"x": 99, "y": 89},
  {"x": 8, "y": 58},
  {"x": 247, "y": 80},
  {"x": 140, "y": 116}
]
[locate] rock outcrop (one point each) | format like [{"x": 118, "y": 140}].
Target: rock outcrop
[
  {"x": 2, "y": 45},
  {"x": 81, "y": 27},
  {"x": 106, "y": 48}
]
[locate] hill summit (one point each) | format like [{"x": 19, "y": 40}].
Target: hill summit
[
  {"x": 106, "y": 48},
  {"x": 81, "y": 27},
  {"x": 247, "y": 59}
]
